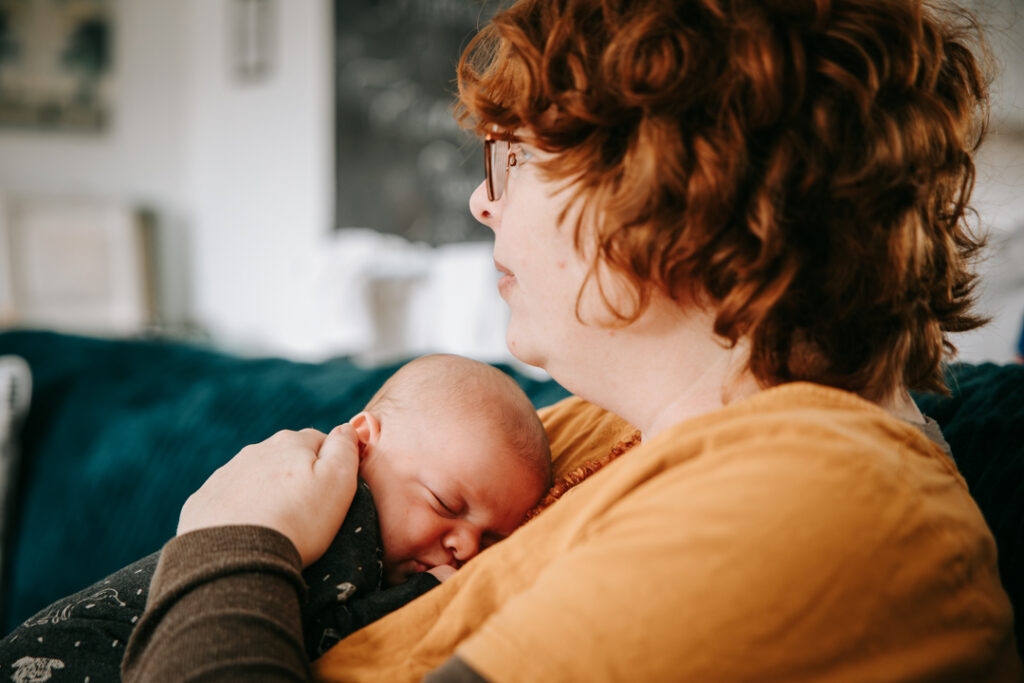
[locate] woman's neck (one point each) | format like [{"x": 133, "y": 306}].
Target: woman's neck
[
  {"x": 669, "y": 366},
  {"x": 901, "y": 405},
  {"x": 666, "y": 367}
]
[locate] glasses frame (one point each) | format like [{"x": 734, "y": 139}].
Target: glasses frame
[{"x": 504, "y": 143}]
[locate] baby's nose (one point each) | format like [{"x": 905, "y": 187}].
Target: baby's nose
[{"x": 462, "y": 544}]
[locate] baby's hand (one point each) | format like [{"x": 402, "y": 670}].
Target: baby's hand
[{"x": 442, "y": 572}]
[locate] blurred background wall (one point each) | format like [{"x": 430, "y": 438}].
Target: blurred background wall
[
  {"x": 232, "y": 161},
  {"x": 236, "y": 173}
]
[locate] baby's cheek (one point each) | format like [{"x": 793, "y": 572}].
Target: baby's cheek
[{"x": 421, "y": 531}]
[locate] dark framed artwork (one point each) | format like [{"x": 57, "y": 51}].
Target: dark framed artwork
[
  {"x": 403, "y": 165},
  {"x": 55, "y": 64}
]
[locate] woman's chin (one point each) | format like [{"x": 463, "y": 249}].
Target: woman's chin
[{"x": 523, "y": 351}]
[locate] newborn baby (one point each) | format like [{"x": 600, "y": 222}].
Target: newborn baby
[{"x": 452, "y": 456}]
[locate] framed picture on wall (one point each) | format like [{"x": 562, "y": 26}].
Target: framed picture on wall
[
  {"x": 75, "y": 265},
  {"x": 56, "y": 63}
]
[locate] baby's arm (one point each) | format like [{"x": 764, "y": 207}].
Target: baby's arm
[
  {"x": 345, "y": 585},
  {"x": 342, "y": 619}
]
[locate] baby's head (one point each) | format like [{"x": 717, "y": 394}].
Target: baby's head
[{"x": 455, "y": 456}]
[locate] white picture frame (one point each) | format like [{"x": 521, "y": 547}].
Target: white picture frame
[{"x": 75, "y": 265}]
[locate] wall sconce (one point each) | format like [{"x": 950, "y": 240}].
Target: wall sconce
[{"x": 252, "y": 39}]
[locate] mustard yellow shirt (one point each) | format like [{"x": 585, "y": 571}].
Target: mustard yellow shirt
[{"x": 800, "y": 534}]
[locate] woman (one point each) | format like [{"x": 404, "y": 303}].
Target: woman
[{"x": 740, "y": 227}]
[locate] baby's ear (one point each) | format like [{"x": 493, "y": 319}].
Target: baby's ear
[{"x": 367, "y": 429}]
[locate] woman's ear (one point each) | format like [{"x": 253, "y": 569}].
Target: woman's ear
[{"x": 367, "y": 429}]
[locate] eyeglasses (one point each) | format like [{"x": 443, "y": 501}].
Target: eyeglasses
[{"x": 498, "y": 158}]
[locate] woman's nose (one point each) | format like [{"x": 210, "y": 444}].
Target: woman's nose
[{"x": 483, "y": 209}]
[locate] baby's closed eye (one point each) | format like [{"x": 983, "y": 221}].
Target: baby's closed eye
[{"x": 445, "y": 508}]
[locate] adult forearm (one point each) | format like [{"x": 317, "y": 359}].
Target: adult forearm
[{"x": 224, "y": 604}]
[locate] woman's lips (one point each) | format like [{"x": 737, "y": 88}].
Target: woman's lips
[
  {"x": 507, "y": 279},
  {"x": 505, "y": 283}
]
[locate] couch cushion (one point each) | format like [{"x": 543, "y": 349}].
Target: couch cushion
[{"x": 15, "y": 393}]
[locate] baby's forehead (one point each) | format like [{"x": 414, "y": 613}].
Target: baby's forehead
[
  {"x": 500, "y": 422},
  {"x": 475, "y": 413},
  {"x": 499, "y": 453}
]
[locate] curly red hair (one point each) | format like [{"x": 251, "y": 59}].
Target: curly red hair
[{"x": 801, "y": 166}]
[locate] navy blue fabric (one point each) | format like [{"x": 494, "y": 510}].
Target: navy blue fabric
[
  {"x": 983, "y": 421},
  {"x": 120, "y": 432}
]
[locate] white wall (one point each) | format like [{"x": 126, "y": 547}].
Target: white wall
[
  {"x": 259, "y": 168},
  {"x": 141, "y": 157},
  {"x": 999, "y": 189},
  {"x": 1003, "y": 23},
  {"x": 999, "y": 201},
  {"x": 238, "y": 174}
]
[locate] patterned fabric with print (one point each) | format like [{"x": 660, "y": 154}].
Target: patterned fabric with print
[{"x": 82, "y": 637}]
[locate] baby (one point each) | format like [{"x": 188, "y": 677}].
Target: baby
[{"x": 452, "y": 456}]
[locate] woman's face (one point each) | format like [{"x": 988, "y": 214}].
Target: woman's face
[{"x": 541, "y": 270}]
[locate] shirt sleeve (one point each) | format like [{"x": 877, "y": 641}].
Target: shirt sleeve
[{"x": 224, "y": 605}]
